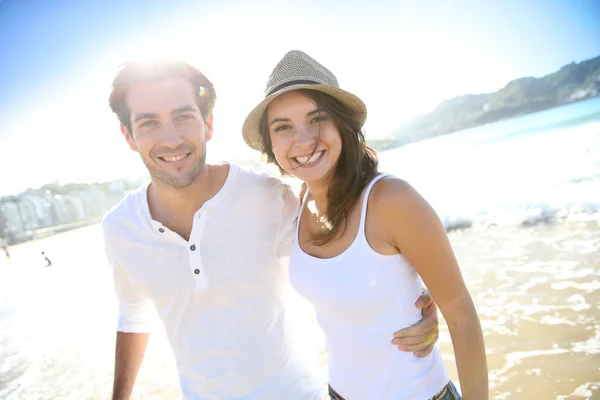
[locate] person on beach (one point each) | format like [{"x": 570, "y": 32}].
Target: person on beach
[
  {"x": 48, "y": 262},
  {"x": 5, "y": 248},
  {"x": 363, "y": 242},
  {"x": 203, "y": 244}
]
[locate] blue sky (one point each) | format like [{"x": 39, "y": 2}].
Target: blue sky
[{"x": 57, "y": 59}]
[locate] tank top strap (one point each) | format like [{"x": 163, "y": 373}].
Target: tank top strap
[
  {"x": 304, "y": 200},
  {"x": 365, "y": 201}
]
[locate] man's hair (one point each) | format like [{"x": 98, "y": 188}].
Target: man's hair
[
  {"x": 131, "y": 73},
  {"x": 355, "y": 168}
]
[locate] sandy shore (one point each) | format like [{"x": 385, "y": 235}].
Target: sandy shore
[{"x": 537, "y": 290}]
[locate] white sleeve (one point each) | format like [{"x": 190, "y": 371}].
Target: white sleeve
[
  {"x": 287, "y": 228},
  {"x": 135, "y": 309}
]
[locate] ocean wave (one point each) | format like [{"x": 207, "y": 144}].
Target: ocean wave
[{"x": 522, "y": 215}]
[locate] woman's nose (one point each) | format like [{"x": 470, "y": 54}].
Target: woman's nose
[{"x": 306, "y": 136}]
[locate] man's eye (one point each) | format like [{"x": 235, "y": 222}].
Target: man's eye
[
  {"x": 148, "y": 124},
  {"x": 184, "y": 117}
]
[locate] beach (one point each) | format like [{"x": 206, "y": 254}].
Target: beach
[
  {"x": 537, "y": 292},
  {"x": 521, "y": 202}
]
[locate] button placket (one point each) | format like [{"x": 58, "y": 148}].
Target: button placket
[{"x": 195, "y": 255}]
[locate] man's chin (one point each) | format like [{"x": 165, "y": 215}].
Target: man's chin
[
  {"x": 176, "y": 178},
  {"x": 176, "y": 182}
]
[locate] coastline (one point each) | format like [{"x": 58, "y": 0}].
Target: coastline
[{"x": 391, "y": 141}]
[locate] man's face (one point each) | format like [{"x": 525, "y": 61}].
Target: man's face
[{"x": 167, "y": 130}]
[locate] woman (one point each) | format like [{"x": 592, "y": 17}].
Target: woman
[{"x": 364, "y": 242}]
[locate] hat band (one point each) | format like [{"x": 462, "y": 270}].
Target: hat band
[{"x": 284, "y": 85}]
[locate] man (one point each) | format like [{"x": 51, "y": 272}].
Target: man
[{"x": 203, "y": 244}]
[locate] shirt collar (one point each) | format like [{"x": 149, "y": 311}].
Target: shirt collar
[{"x": 209, "y": 204}]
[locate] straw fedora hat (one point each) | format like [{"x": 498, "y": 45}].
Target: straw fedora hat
[{"x": 297, "y": 70}]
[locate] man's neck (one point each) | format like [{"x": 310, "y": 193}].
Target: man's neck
[{"x": 174, "y": 206}]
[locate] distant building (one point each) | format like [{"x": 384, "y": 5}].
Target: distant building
[
  {"x": 15, "y": 219},
  {"x": 21, "y": 216}
]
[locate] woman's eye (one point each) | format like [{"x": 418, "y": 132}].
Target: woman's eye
[
  {"x": 319, "y": 118},
  {"x": 282, "y": 128}
]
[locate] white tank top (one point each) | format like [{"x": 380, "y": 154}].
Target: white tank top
[{"x": 361, "y": 298}]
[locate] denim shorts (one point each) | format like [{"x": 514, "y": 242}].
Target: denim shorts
[{"x": 449, "y": 392}]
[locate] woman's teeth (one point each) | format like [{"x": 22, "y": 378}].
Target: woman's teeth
[{"x": 310, "y": 159}]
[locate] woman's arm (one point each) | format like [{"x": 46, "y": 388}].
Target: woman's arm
[{"x": 412, "y": 226}]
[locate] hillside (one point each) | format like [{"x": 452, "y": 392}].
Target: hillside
[{"x": 573, "y": 82}]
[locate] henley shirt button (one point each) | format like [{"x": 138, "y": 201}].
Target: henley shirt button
[
  {"x": 196, "y": 271},
  {"x": 193, "y": 247},
  {"x": 161, "y": 230}
]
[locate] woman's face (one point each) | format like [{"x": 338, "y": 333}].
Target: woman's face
[{"x": 305, "y": 140}]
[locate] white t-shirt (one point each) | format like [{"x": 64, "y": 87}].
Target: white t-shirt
[{"x": 220, "y": 295}]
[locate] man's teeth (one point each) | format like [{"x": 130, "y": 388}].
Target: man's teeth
[
  {"x": 310, "y": 159},
  {"x": 175, "y": 158}
]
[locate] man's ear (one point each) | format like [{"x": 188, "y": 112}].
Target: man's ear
[
  {"x": 128, "y": 138},
  {"x": 208, "y": 123}
]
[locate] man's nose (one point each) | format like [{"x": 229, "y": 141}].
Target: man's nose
[{"x": 171, "y": 135}]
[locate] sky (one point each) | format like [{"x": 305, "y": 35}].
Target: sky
[{"x": 402, "y": 57}]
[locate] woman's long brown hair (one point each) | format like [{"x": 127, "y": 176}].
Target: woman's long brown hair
[{"x": 356, "y": 167}]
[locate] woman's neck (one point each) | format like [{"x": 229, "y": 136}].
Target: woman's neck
[{"x": 318, "y": 194}]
